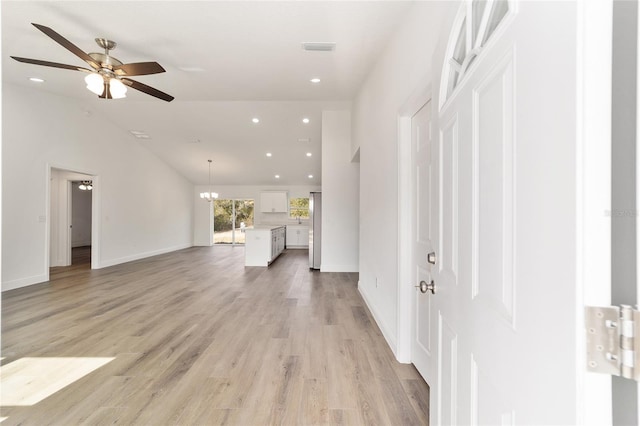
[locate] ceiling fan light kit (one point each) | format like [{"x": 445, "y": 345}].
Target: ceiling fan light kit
[
  {"x": 116, "y": 88},
  {"x": 108, "y": 76},
  {"x": 86, "y": 185},
  {"x": 95, "y": 83}
]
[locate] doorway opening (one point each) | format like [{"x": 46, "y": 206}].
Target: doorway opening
[
  {"x": 231, "y": 217},
  {"x": 71, "y": 219},
  {"x": 81, "y": 199}
]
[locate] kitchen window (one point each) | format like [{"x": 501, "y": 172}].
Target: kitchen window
[{"x": 299, "y": 208}]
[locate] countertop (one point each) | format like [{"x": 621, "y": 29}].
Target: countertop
[{"x": 264, "y": 228}]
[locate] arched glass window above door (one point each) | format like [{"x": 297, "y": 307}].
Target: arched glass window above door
[{"x": 476, "y": 22}]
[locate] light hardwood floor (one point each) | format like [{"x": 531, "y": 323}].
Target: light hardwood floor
[{"x": 197, "y": 338}]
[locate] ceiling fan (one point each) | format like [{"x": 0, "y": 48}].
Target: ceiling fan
[{"x": 108, "y": 76}]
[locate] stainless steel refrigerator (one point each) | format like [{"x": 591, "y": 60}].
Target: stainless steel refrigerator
[{"x": 315, "y": 229}]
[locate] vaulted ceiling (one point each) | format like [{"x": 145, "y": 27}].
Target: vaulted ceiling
[{"x": 227, "y": 62}]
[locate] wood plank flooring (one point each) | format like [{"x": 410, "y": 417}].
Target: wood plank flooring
[{"x": 198, "y": 339}]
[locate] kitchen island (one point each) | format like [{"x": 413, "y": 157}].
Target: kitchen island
[{"x": 263, "y": 244}]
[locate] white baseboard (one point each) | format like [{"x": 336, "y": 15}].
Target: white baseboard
[
  {"x": 338, "y": 268},
  {"x": 24, "y": 282},
  {"x": 389, "y": 336},
  {"x": 138, "y": 256},
  {"x": 37, "y": 279}
]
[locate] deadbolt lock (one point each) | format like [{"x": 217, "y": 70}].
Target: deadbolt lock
[{"x": 431, "y": 258}]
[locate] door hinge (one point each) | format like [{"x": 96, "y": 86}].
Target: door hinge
[{"x": 612, "y": 346}]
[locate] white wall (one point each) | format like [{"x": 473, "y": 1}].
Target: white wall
[
  {"x": 202, "y": 219},
  {"x": 81, "y": 217},
  {"x": 340, "y": 195},
  {"x": 145, "y": 207},
  {"x": 404, "y": 69}
]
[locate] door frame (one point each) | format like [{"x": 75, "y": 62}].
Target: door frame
[
  {"x": 95, "y": 214},
  {"x": 593, "y": 198},
  {"x": 405, "y": 290}
]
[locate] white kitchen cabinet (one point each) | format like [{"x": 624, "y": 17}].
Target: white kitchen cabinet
[
  {"x": 274, "y": 202},
  {"x": 297, "y": 236},
  {"x": 277, "y": 242},
  {"x": 263, "y": 245}
]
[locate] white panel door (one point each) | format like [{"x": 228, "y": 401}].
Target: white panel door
[
  {"x": 503, "y": 319},
  {"x": 424, "y": 204}
]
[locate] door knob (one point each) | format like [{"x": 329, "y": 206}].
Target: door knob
[
  {"x": 431, "y": 258},
  {"x": 424, "y": 287}
]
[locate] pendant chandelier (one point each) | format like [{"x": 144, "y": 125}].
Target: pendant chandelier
[
  {"x": 86, "y": 185},
  {"x": 209, "y": 196}
]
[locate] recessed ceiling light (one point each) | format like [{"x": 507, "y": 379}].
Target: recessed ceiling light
[
  {"x": 269, "y": 154},
  {"x": 277, "y": 176},
  {"x": 309, "y": 154},
  {"x": 36, "y": 80},
  {"x": 315, "y": 80},
  {"x": 310, "y": 176},
  {"x": 255, "y": 120},
  {"x": 305, "y": 120}
]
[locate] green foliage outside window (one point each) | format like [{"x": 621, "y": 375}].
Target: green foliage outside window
[
  {"x": 299, "y": 208},
  {"x": 223, "y": 214}
]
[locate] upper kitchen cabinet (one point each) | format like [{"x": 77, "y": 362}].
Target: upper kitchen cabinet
[{"x": 274, "y": 202}]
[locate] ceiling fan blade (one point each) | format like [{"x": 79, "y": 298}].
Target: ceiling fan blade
[
  {"x": 50, "y": 64},
  {"x": 138, "y": 68},
  {"x": 68, "y": 45},
  {"x": 147, "y": 89}
]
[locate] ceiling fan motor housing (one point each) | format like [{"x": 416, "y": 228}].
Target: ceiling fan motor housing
[
  {"x": 106, "y": 61},
  {"x": 106, "y": 44}
]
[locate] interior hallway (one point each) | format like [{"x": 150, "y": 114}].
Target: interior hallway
[{"x": 197, "y": 338}]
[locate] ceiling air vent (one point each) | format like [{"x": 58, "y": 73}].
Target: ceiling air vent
[{"x": 319, "y": 47}]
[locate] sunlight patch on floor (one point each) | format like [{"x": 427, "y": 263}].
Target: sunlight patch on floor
[{"x": 28, "y": 381}]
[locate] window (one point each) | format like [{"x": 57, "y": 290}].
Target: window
[
  {"x": 476, "y": 22},
  {"x": 299, "y": 208},
  {"x": 230, "y": 219}
]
